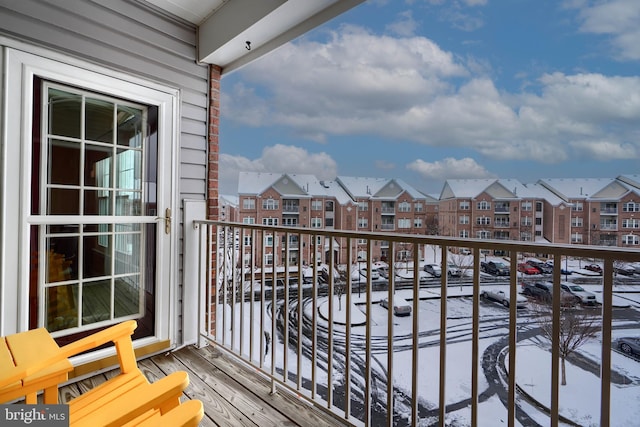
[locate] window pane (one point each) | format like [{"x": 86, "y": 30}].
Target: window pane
[
  {"x": 129, "y": 203},
  {"x": 96, "y": 301},
  {"x": 127, "y": 253},
  {"x": 64, "y": 113},
  {"x": 97, "y": 202},
  {"x": 97, "y": 171},
  {"x": 130, "y": 126},
  {"x": 127, "y": 296},
  {"x": 64, "y": 163},
  {"x": 62, "y": 258},
  {"x": 129, "y": 169},
  {"x": 99, "y": 120},
  {"x": 96, "y": 256},
  {"x": 62, "y": 307},
  {"x": 63, "y": 201}
]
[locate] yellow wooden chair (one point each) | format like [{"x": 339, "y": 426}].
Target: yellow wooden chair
[{"x": 124, "y": 398}]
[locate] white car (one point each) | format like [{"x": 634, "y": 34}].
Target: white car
[
  {"x": 400, "y": 306},
  {"x": 502, "y": 296},
  {"x": 362, "y": 274},
  {"x": 433, "y": 269},
  {"x": 586, "y": 297},
  {"x": 453, "y": 270}
]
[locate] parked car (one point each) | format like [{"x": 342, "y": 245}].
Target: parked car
[
  {"x": 586, "y": 297},
  {"x": 496, "y": 268},
  {"x": 629, "y": 345},
  {"x": 542, "y": 267},
  {"x": 433, "y": 269},
  {"x": 503, "y": 297},
  {"x": 624, "y": 269},
  {"x": 543, "y": 292},
  {"x": 453, "y": 270},
  {"x": 527, "y": 269},
  {"x": 362, "y": 273},
  {"x": 593, "y": 267},
  {"x": 400, "y": 306},
  {"x": 563, "y": 271}
]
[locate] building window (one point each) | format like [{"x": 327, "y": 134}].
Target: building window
[
  {"x": 538, "y": 206},
  {"x": 464, "y": 219},
  {"x": 483, "y": 234},
  {"x": 417, "y": 207},
  {"x": 404, "y": 223},
  {"x": 465, "y": 205},
  {"x": 631, "y": 207},
  {"x": 484, "y": 205},
  {"x": 270, "y": 204},
  {"x": 246, "y": 240},
  {"x": 290, "y": 221},
  {"x": 248, "y": 204},
  {"x": 268, "y": 259},
  {"x": 417, "y": 223},
  {"x": 268, "y": 240},
  {"x": 631, "y": 239},
  {"x": 631, "y": 223},
  {"x": 609, "y": 208},
  {"x": 608, "y": 224},
  {"x": 538, "y": 221},
  {"x": 328, "y": 222},
  {"x": 525, "y": 236},
  {"x": 248, "y": 220},
  {"x": 526, "y": 206},
  {"x": 316, "y": 205},
  {"x": 316, "y": 222},
  {"x": 576, "y": 238},
  {"x": 291, "y": 205},
  {"x": 269, "y": 221},
  {"x": 363, "y": 206},
  {"x": 577, "y": 206},
  {"x": 576, "y": 222},
  {"x": 464, "y": 234},
  {"x": 363, "y": 223},
  {"x": 328, "y": 206},
  {"x": 483, "y": 220},
  {"x": 404, "y": 207},
  {"x": 526, "y": 221}
]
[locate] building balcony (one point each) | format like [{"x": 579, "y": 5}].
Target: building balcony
[{"x": 328, "y": 342}]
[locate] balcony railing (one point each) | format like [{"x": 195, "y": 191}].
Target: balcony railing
[{"x": 326, "y": 338}]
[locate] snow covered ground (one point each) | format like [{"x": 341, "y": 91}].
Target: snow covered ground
[{"x": 579, "y": 399}]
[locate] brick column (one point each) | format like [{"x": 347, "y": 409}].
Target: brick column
[{"x": 212, "y": 174}]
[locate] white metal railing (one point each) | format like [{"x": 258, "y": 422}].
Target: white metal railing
[{"x": 315, "y": 336}]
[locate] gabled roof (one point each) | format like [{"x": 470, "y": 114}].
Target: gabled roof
[
  {"x": 575, "y": 188},
  {"x": 506, "y": 189},
  {"x": 632, "y": 180},
  {"x": 290, "y": 185},
  {"x": 539, "y": 191},
  {"x": 377, "y": 188}
]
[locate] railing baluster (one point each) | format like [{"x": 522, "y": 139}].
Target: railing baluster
[
  {"x": 228, "y": 289},
  {"x": 443, "y": 337}
]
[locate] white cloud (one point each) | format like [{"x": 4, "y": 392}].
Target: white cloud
[
  {"x": 404, "y": 25},
  {"x": 449, "y": 168},
  {"x": 607, "y": 150},
  {"x": 278, "y": 158},
  {"x": 409, "y": 89},
  {"x": 618, "y": 18}
]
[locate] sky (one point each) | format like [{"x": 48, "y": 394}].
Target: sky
[{"x": 430, "y": 90}]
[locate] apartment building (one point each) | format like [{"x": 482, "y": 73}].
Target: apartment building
[
  {"x": 599, "y": 211},
  {"x": 348, "y": 203},
  {"x": 501, "y": 209}
]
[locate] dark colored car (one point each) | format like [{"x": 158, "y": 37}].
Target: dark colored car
[
  {"x": 495, "y": 267},
  {"x": 629, "y": 345},
  {"x": 593, "y": 267},
  {"x": 543, "y": 292},
  {"x": 541, "y": 266}
]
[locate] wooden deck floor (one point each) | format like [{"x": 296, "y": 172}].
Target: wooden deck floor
[{"x": 233, "y": 394}]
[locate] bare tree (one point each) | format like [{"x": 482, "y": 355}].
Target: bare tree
[
  {"x": 339, "y": 289},
  {"x": 576, "y": 328}
]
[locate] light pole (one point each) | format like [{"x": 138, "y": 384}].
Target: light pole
[{"x": 359, "y": 274}]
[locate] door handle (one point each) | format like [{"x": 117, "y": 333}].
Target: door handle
[{"x": 167, "y": 221}]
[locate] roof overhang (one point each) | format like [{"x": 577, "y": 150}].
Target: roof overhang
[{"x": 225, "y": 26}]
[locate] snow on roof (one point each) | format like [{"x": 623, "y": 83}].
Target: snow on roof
[
  {"x": 259, "y": 182},
  {"x": 540, "y": 192},
  {"x": 575, "y": 188},
  {"x": 360, "y": 187},
  {"x": 256, "y": 182},
  {"x": 321, "y": 188},
  {"x": 468, "y": 188}
]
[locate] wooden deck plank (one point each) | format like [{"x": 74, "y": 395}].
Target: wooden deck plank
[
  {"x": 233, "y": 394},
  {"x": 298, "y": 411},
  {"x": 224, "y": 402}
]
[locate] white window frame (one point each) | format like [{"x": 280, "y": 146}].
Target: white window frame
[
  {"x": 465, "y": 205},
  {"x": 631, "y": 239},
  {"x": 404, "y": 223},
  {"x": 21, "y": 68},
  {"x": 249, "y": 204}
]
